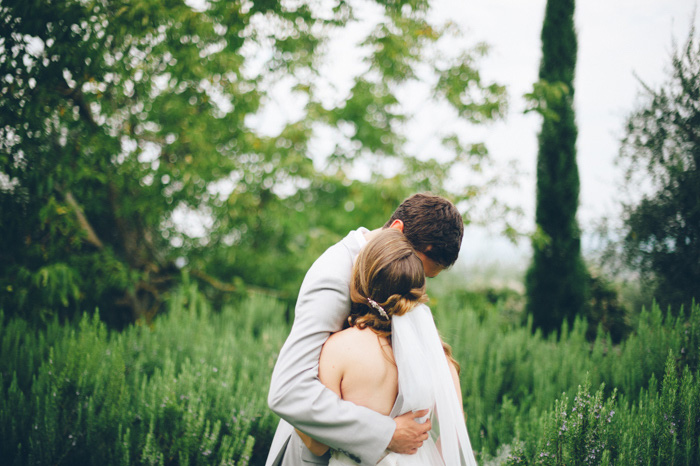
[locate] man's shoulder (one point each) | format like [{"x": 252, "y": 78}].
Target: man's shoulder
[
  {"x": 344, "y": 250},
  {"x": 331, "y": 271}
]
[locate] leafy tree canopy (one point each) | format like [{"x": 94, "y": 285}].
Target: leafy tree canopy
[
  {"x": 133, "y": 142},
  {"x": 661, "y": 155}
]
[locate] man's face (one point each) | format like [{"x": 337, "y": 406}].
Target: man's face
[{"x": 431, "y": 268}]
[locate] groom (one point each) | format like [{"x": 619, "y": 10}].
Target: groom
[{"x": 435, "y": 228}]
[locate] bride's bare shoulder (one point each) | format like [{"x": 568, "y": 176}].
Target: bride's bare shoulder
[{"x": 351, "y": 342}]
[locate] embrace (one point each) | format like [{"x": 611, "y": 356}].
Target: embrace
[{"x": 364, "y": 377}]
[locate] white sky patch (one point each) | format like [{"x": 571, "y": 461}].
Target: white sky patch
[
  {"x": 222, "y": 102},
  {"x": 150, "y": 152},
  {"x": 345, "y": 59},
  {"x": 290, "y": 186},
  {"x": 225, "y": 186},
  {"x": 6, "y": 183},
  {"x": 191, "y": 222},
  {"x": 281, "y": 106},
  {"x": 197, "y": 5}
]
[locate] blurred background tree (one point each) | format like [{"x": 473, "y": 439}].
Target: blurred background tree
[
  {"x": 660, "y": 153},
  {"x": 131, "y": 147},
  {"x": 556, "y": 281}
]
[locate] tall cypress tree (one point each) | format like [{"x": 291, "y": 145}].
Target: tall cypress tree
[{"x": 557, "y": 279}]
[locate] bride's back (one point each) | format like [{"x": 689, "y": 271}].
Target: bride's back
[{"x": 359, "y": 366}]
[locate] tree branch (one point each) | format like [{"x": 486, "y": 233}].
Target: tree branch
[
  {"x": 76, "y": 95},
  {"x": 90, "y": 234},
  {"x": 231, "y": 288}
]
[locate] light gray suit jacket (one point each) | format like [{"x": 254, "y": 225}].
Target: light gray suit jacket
[{"x": 298, "y": 396}]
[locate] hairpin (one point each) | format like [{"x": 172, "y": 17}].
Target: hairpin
[{"x": 379, "y": 309}]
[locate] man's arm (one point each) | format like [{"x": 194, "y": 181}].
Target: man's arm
[{"x": 296, "y": 394}]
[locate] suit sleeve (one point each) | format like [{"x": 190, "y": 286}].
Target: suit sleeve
[{"x": 297, "y": 395}]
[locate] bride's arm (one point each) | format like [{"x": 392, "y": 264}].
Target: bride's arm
[
  {"x": 314, "y": 446},
  {"x": 332, "y": 363},
  {"x": 455, "y": 368},
  {"x": 455, "y": 379},
  {"x": 330, "y": 372}
]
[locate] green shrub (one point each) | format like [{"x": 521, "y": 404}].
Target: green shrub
[
  {"x": 580, "y": 433},
  {"x": 190, "y": 389},
  {"x": 510, "y": 377},
  {"x": 606, "y": 312},
  {"x": 661, "y": 428}
]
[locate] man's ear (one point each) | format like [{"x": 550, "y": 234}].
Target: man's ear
[{"x": 397, "y": 224}]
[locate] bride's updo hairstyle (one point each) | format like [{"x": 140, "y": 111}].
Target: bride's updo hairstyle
[{"x": 386, "y": 274}]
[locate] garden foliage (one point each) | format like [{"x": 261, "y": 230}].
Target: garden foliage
[
  {"x": 510, "y": 377},
  {"x": 661, "y": 427},
  {"x": 192, "y": 388}
]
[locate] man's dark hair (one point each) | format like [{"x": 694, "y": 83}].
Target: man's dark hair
[{"x": 433, "y": 225}]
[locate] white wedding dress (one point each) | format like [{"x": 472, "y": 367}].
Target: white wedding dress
[{"x": 425, "y": 381}]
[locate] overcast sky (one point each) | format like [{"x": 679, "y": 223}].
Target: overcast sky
[{"x": 617, "y": 39}]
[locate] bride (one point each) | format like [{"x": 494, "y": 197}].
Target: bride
[{"x": 390, "y": 357}]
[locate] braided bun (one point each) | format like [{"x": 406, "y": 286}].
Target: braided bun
[{"x": 388, "y": 272}]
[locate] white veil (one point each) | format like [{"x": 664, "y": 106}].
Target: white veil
[{"x": 425, "y": 381}]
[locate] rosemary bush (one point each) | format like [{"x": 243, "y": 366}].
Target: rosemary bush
[
  {"x": 191, "y": 388},
  {"x": 510, "y": 376},
  {"x": 661, "y": 428}
]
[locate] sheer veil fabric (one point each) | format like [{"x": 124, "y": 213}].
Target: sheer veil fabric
[{"x": 425, "y": 382}]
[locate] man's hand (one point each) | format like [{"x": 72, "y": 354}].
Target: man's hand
[{"x": 409, "y": 434}]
